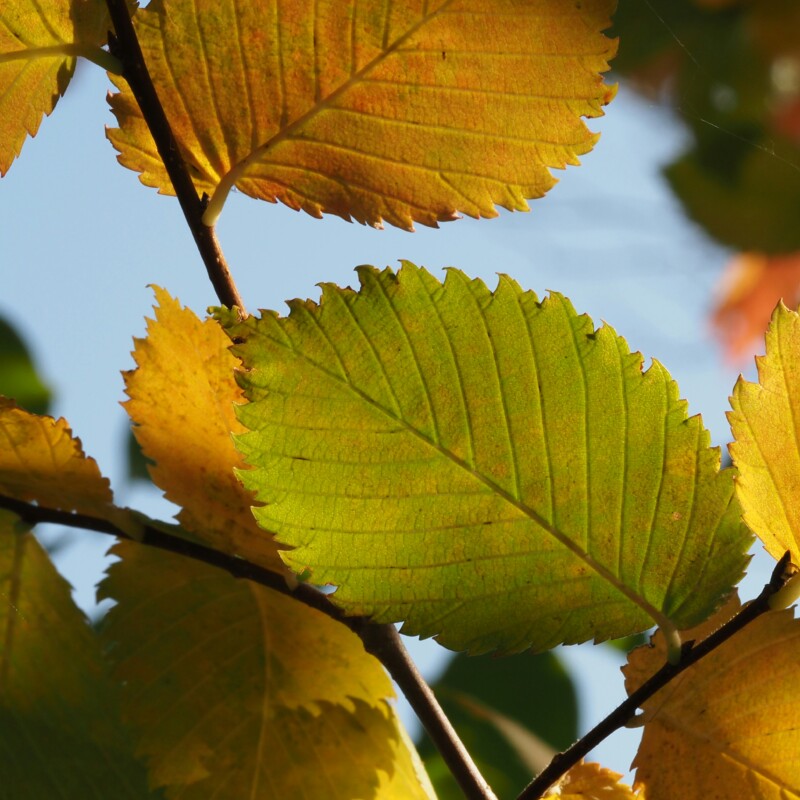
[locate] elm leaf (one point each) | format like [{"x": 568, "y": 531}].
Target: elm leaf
[
  {"x": 484, "y": 466},
  {"x": 236, "y": 689},
  {"x": 60, "y": 726},
  {"x": 401, "y": 111},
  {"x": 39, "y": 47},
  {"x": 189, "y": 438},
  {"x": 766, "y": 426},
  {"x": 729, "y": 726}
]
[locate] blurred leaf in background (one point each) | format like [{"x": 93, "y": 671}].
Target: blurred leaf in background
[
  {"x": 512, "y": 713},
  {"x": 19, "y": 378},
  {"x": 731, "y": 70}
]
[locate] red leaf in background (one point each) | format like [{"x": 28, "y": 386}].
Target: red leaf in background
[{"x": 750, "y": 288}]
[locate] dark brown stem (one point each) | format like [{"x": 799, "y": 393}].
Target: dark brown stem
[
  {"x": 690, "y": 655},
  {"x": 382, "y": 641},
  {"x": 124, "y": 45}
]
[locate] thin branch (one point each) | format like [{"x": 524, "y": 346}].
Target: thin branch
[
  {"x": 124, "y": 45},
  {"x": 690, "y": 655},
  {"x": 382, "y": 641},
  {"x": 170, "y": 543}
]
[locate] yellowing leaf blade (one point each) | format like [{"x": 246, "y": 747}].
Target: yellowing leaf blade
[
  {"x": 40, "y": 460},
  {"x": 39, "y": 45},
  {"x": 766, "y": 426},
  {"x": 189, "y": 438},
  {"x": 233, "y": 685},
  {"x": 588, "y": 781},
  {"x": 729, "y": 726},
  {"x": 401, "y": 112},
  {"x": 60, "y": 728},
  {"x": 488, "y": 468}
]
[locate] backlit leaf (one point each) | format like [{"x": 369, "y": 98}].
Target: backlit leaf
[
  {"x": 189, "y": 438},
  {"x": 40, "y": 460},
  {"x": 766, "y": 426},
  {"x": 401, "y": 111},
  {"x": 40, "y": 41},
  {"x": 729, "y": 726},
  {"x": 486, "y": 467},
  {"x": 592, "y": 782},
  {"x": 60, "y": 730},
  {"x": 233, "y": 685}
]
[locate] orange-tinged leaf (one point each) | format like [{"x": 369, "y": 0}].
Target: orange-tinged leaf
[
  {"x": 189, "y": 438},
  {"x": 592, "y": 782},
  {"x": 751, "y": 286},
  {"x": 233, "y": 685},
  {"x": 402, "y": 111},
  {"x": 729, "y": 726},
  {"x": 766, "y": 426},
  {"x": 40, "y": 460},
  {"x": 40, "y": 41}
]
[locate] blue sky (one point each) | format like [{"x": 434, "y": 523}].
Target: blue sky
[{"x": 82, "y": 239}]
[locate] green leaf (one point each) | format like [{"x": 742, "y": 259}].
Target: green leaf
[
  {"x": 486, "y": 467},
  {"x": 750, "y": 204},
  {"x": 236, "y": 689},
  {"x": 18, "y": 376},
  {"x": 60, "y": 729},
  {"x": 484, "y": 697}
]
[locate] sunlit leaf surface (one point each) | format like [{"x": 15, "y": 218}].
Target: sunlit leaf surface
[
  {"x": 401, "y": 111},
  {"x": 592, "y": 782},
  {"x": 486, "y": 467},
  {"x": 40, "y": 41},
  {"x": 40, "y": 460},
  {"x": 60, "y": 731},
  {"x": 189, "y": 437},
  {"x": 766, "y": 426},
  {"x": 237, "y": 689},
  {"x": 729, "y": 726}
]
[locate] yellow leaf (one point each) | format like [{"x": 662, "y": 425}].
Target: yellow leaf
[
  {"x": 233, "y": 685},
  {"x": 592, "y": 782},
  {"x": 40, "y": 41},
  {"x": 40, "y": 460},
  {"x": 189, "y": 437},
  {"x": 728, "y": 728},
  {"x": 766, "y": 426},
  {"x": 402, "y": 111}
]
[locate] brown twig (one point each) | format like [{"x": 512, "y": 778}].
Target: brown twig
[
  {"x": 382, "y": 641},
  {"x": 690, "y": 655},
  {"x": 124, "y": 45}
]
